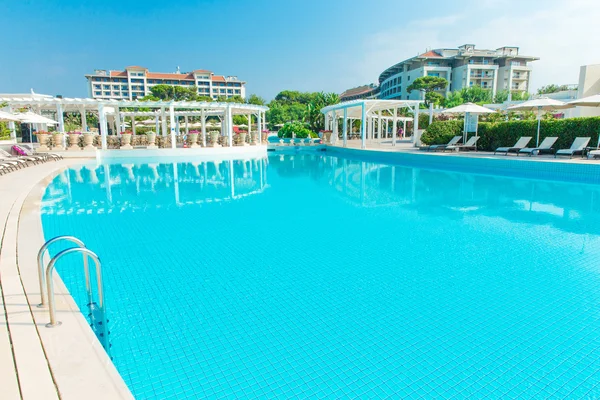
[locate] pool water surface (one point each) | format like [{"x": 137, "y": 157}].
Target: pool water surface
[{"x": 312, "y": 276}]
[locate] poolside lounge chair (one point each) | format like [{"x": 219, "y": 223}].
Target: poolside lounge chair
[
  {"x": 521, "y": 143},
  {"x": 437, "y": 147},
  {"x": 578, "y": 146},
  {"x": 544, "y": 147},
  {"x": 471, "y": 144},
  {"x": 34, "y": 159},
  {"x": 27, "y": 149}
]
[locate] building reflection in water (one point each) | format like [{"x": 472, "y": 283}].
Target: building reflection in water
[
  {"x": 120, "y": 187},
  {"x": 447, "y": 194}
]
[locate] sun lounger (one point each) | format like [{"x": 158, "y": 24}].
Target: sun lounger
[
  {"x": 521, "y": 143},
  {"x": 471, "y": 144},
  {"x": 578, "y": 146},
  {"x": 437, "y": 147},
  {"x": 544, "y": 147},
  {"x": 33, "y": 159},
  {"x": 29, "y": 151}
]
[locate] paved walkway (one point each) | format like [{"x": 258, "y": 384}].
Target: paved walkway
[{"x": 38, "y": 362}]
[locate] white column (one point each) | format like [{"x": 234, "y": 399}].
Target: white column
[
  {"x": 404, "y": 129},
  {"x": 132, "y": 124},
  {"x": 345, "y": 127},
  {"x": 250, "y": 129},
  {"x": 172, "y": 121},
  {"x": 163, "y": 117},
  {"x": 103, "y": 125},
  {"x": 187, "y": 130},
  {"x": 416, "y": 135},
  {"x": 259, "y": 125},
  {"x": 157, "y": 125},
  {"x": 203, "y": 121},
  {"x": 334, "y": 133},
  {"x": 363, "y": 128},
  {"x": 229, "y": 118},
  {"x": 177, "y": 126},
  {"x": 395, "y": 126},
  {"x": 84, "y": 126},
  {"x": 430, "y": 113},
  {"x": 379, "y": 125},
  {"x": 118, "y": 119},
  {"x": 61, "y": 123}
]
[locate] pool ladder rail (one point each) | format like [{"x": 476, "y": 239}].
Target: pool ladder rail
[{"x": 97, "y": 311}]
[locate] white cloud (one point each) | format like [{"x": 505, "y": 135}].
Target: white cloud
[{"x": 563, "y": 34}]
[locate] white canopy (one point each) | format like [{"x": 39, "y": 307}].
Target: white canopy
[
  {"x": 468, "y": 108},
  {"x": 590, "y": 101},
  {"x": 541, "y": 104},
  {"x": 33, "y": 118},
  {"x": 4, "y": 116}
]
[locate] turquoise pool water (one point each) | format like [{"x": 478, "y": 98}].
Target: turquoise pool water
[{"x": 312, "y": 276}]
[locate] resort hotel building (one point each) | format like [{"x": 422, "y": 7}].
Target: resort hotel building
[
  {"x": 135, "y": 82},
  {"x": 370, "y": 91},
  {"x": 500, "y": 69}
]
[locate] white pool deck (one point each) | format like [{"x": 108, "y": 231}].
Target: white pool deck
[{"x": 67, "y": 362}]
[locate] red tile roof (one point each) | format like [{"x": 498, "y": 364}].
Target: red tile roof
[
  {"x": 118, "y": 73},
  {"x": 218, "y": 78},
  {"x": 430, "y": 54},
  {"x": 201, "y": 71},
  {"x": 136, "y": 67},
  {"x": 158, "y": 75}
]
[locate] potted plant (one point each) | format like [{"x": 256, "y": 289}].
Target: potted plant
[
  {"x": 74, "y": 140},
  {"x": 242, "y": 138},
  {"x": 88, "y": 141},
  {"x": 213, "y": 137},
  {"x": 126, "y": 140},
  {"x": 43, "y": 137},
  {"x": 326, "y": 135},
  {"x": 193, "y": 138},
  {"x": 265, "y": 136},
  {"x": 151, "y": 135},
  {"x": 254, "y": 138},
  {"x": 57, "y": 141}
]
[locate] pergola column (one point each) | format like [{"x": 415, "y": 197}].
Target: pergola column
[
  {"x": 394, "y": 126},
  {"x": 157, "y": 124},
  {"x": 163, "y": 118},
  {"x": 229, "y": 118},
  {"x": 404, "y": 129},
  {"x": 61, "y": 122},
  {"x": 133, "y": 124},
  {"x": 103, "y": 126},
  {"x": 203, "y": 122},
  {"x": 250, "y": 129},
  {"x": 416, "y": 136},
  {"x": 259, "y": 126},
  {"x": 118, "y": 120},
  {"x": 187, "y": 131},
  {"x": 334, "y": 132},
  {"x": 84, "y": 126},
  {"x": 345, "y": 134},
  {"x": 363, "y": 128},
  {"x": 172, "y": 121},
  {"x": 379, "y": 125}
]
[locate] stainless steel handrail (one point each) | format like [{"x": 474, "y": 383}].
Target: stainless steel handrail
[
  {"x": 42, "y": 277},
  {"x": 50, "y": 287}
]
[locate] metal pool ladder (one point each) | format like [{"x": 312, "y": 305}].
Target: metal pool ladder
[{"x": 97, "y": 312}]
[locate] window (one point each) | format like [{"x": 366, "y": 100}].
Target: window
[
  {"x": 237, "y": 91},
  {"x": 486, "y": 61},
  {"x": 515, "y": 63},
  {"x": 471, "y": 61},
  {"x": 107, "y": 93},
  {"x": 408, "y": 78},
  {"x": 97, "y": 93},
  {"x": 96, "y": 86},
  {"x": 106, "y": 87},
  {"x": 222, "y": 91},
  {"x": 229, "y": 91}
]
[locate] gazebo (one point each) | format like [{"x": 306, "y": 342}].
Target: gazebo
[
  {"x": 114, "y": 112},
  {"x": 373, "y": 114}
]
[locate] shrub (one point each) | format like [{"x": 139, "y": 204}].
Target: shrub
[
  {"x": 440, "y": 132},
  {"x": 498, "y": 134},
  {"x": 298, "y": 128}
]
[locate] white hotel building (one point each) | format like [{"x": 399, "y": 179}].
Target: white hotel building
[
  {"x": 500, "y": 69},
  {"x": 135, "y": 82}
]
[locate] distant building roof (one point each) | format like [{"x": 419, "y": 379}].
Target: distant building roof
[
  {"x": 218, "y": 78},
  {"x": 160, "y": 75},
  {"x": 136, "y": 67}
]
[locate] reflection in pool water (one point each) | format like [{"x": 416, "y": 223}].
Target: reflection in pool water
[{"x": 338, "y": 278}]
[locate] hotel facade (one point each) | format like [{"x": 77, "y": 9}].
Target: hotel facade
[
  {"x": 135, "y": 82},
  {"x": 500, "y": 69}
]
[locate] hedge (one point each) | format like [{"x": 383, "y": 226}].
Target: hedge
[{"x": 498, "y": 134}]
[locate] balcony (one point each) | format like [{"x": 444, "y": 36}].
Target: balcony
[
  {"x": 481, "y": 76},
  {"x": 520, "y": 77}
]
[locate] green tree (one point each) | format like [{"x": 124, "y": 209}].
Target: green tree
[
  {"x": 454, "y": 99},
  {"x": 177, "y": 93},
  {"x": 476, "y": 94},
  {"x": 434, "y": 98},
  {"x": 552, "y": 88},
  {"x": 428, "y": 84},
  {"x": 313, "y": 115},
  {"x": 256, "y": 100}
]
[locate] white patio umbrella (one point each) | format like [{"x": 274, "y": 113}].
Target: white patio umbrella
[
  {"x": 539, "y": 105},
  {"x": 4, "y": 116},
  {"x": 590, "y": 101},
  {"x": 466, "y": 109},
  {"x": 33, "y": 118}
]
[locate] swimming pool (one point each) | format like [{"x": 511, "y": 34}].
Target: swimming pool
[{"x": 316, "y": 276}]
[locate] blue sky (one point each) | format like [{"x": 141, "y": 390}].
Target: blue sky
[{"x": 327, "y": 45}]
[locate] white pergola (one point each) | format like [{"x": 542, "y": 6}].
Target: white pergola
[
  {"x": 112, "y": 111},
  {"x": 372, "y": 117}
]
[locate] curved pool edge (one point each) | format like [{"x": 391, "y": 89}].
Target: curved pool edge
[{"x": 79, "y": 366}]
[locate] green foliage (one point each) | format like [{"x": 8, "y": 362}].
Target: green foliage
[
  {"x": 552, "y": 88},
  {"x": 519, "y": 95},
  {"x": 498, "y": 134},
  {"x": 454, "y": 99},
  {"x": 4, "y": 131},
  {"x": 177, "y": 93},
  {"x": 291, "y": 128},
  {"x": 256, "y": 100},
  {"x": 476, "y": 94},
  {"x": 434, "y": 98},
  {"x": 294, "y": 106},
  {"x": 440, "y": 132}
]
